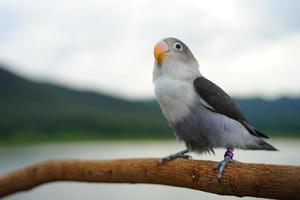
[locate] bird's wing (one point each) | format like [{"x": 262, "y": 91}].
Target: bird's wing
[{"x": 215, "y": 99}]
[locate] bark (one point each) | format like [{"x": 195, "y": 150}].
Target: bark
[{"x": 257, "y": 180}]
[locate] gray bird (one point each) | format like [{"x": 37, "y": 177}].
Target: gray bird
[{"x": 200, "y": 113}]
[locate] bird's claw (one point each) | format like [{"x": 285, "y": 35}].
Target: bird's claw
[
  {"x": 220, "y": 166},
  {"x": 175, "y": 156},
  {"x": 188, "y": 157},
  {"x": 168, "y": 158},
  {"x": 163, "y": 160}
]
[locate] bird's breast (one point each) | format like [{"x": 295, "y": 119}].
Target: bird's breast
[{"x": 175, "y": 97}]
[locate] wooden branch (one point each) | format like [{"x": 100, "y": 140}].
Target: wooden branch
[{"x": 257, "y": 180}]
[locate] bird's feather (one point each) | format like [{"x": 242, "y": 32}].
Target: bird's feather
[{"x": 218, "y": 101}]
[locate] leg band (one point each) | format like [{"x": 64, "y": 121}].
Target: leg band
[{"x": 229, "y": 153}]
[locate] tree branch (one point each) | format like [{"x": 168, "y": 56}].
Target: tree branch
[{"x": 257, "y": 180}]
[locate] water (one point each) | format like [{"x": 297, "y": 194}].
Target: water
[{"x": 14, "y": 157}]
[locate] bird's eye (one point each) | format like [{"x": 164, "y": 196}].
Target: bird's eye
[{"x": 177, "y": 46}]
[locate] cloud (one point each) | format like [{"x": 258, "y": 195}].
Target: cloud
[
  {"x": 263, "y": 70},
  {"x": 107, "y": 45}
]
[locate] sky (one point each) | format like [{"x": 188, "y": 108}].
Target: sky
[{"x": 248, "y": 47}]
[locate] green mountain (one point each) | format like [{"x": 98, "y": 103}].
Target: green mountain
[{"x": 41, "y": 111}]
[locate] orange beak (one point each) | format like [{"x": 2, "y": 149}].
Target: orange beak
[{"x": 160, "y": 50}]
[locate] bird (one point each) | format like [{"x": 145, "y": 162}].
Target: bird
[{"x": 199, "y": 112}]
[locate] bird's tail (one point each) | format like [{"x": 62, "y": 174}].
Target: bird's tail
[{"x": 262, "y": 145}]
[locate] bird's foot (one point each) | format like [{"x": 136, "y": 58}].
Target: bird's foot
[
  {"x": 180, "y": 154},
  {"x": 227, "y": 158}
]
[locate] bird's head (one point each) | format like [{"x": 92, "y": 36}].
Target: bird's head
[{"x": 174, "y": 58}]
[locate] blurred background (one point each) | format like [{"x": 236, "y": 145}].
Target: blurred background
[{"x": 76, "y": 82}]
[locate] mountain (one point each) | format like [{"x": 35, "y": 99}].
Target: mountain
[
  {"x": 31, "y": 109},
  {"x": 281, "y": 116},
  {"x": 41, "y": 111}
]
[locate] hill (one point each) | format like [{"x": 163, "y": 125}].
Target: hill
[{"x": 42, "y": 111}]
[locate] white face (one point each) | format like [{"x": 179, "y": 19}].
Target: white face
[{"x": 173, "y": 59}]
